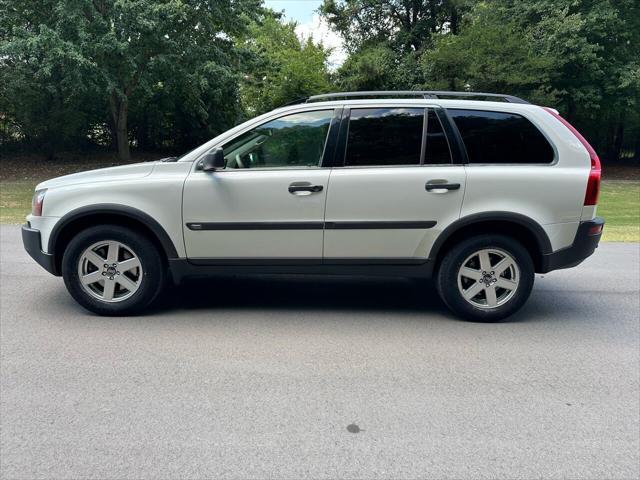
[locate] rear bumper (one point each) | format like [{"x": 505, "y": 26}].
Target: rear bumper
[
  {"x": 32, "y": 244},
  {"x": 584, "y": 244}
]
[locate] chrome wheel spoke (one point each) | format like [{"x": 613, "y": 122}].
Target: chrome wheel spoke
[
  {"x": 127, "y": 265},
  {"x": 109, "y": 289},
  {"x": 492, "y": 300},
  {"x": 506, "y": 284},
  {"x": 112, "y": 252},
  {"x": 485, "y": 261},
  {"x": 90, "y": 278},
  {"x": 94, "y": 258},
  {"x": 126, "y": 283},
  {"x": 474, "y": 290},
  {"x": 502, "y": 265},
  {"x": 471, "y": 273}
]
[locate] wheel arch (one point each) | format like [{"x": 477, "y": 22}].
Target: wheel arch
[
  {"x": 91, "y": 215},
  {"x": 524, "y": 229}
]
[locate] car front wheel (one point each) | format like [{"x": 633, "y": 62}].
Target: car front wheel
[
  {"x": 112, "y": 270},
  {"x": 486, "y": 278}
]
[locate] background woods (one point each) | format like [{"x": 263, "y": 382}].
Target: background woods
[{"x": 164, "y": 76}]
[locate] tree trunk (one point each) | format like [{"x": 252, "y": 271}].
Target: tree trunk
[
  {"x": 609, "y": 140},
  {"x": 141, "y": 133},
  {"x": 617, "y": 143},
  {"x": 119, "y": 111},
  {"x": 636, "y": 154},
  {"x": 454, "y": 21},
  {"x": 571, "y": 111}
]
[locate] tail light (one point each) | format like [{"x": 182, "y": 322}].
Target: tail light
[
  {"x": 593, "y": 184},
  {"x": 36, "y": 203}
]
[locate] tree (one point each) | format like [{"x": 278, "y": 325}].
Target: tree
[
  {"x": 127, "y": 48},
  {"x": 386, "y": 38},
  {"x": 577, "y": 55},
  {"x": 404, "y": 25},
  {"x": 580, "y": 57},
  {"x": 371, "y": 69},
  {"x": 280, "y": 67},
  {"x": 490, "y": 54},
  {"x": 44, "y": 85}
]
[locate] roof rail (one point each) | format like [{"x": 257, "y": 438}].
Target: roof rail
[
  {"x": 295, "y": 102},
  {"x": 416, "y": 93}
]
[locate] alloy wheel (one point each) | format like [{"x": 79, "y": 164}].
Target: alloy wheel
[
  {"x": 110, "y": 271},
  {"x": 488, "y": 278}
]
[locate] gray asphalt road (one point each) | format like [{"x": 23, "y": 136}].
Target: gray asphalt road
[{"x": 259, "y": 378}]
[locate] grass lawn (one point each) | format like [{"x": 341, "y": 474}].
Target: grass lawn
[
  {"x": 619, "y": 204},
  {"x": 15, "y": 200}
]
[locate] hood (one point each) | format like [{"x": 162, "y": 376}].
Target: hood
[{"x": 110, "y": 174}]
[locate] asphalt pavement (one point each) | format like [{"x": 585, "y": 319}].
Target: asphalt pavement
[{"x": 304, "y": 377}]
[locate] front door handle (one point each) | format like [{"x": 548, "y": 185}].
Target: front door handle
[
  {"x": 442, "y": 187},
  {"x": 304, "y": 189}
]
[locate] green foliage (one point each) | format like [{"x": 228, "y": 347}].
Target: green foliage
[
  {"x": 489, "y": 55},
  {"x": 110, "y": 56},
  {"x": 386, "y": 38},
  {"x": 42, "y": 78},
  {"x": 170, "y": 74},
  {"x": 403, "y": 25},
  {"x": 584, "y": 53},
  {"x": 280, "y": 67},
  {"x": 580, "y": 56},
  {"x": 371, "y": 69}
]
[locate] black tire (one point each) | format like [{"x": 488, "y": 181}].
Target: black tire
[
  {"x": 151, "y": 282},
  {"x": 447, "y": 278}
]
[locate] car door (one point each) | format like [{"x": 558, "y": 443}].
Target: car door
[
  {"x": 397, "y": 188},
  {"x": 267, "y": 204}
]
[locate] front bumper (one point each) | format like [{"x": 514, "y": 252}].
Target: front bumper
[
  {"x": 584, "y": 244},
  {"x": 32, "y": 244}
]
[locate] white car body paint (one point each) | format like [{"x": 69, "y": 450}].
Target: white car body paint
[
  {"x": 378, "y": 194},
  {"x": 154, "y": 188},
  {"x": 254, "y": 196}
]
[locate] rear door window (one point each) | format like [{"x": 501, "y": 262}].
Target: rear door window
[
  {"x": 384, "y": 137},
  {"x": 499, "y": 137}
]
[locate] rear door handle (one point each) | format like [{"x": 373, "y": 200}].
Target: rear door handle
[
  {"x": 304, "y": 189},
  {"x": 441, "y": 186}
]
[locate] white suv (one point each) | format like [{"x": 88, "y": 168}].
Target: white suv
[{"x": 478, "y": 194}]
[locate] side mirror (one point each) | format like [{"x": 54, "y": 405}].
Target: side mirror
[{"x": 213, "y": 160}]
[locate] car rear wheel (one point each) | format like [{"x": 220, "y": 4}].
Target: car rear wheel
[
  {"x": 486, "y": 278},
  {"x": 112, "y": 270}
]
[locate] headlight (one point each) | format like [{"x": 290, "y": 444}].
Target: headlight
[{"x": 36, "y": 203}]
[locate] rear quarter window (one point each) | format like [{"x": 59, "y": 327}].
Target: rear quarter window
[{"x": 499, "y": 137}]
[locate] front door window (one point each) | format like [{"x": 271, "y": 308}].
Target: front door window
[{"x": 292, "y": 141}]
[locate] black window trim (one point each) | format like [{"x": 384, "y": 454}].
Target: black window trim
[
  {"x": 423, "y": 140},
  {"x": 456, "y": 145},
  {"x": 331, "y": 143},
  {"x": 449, "y": 136},
  {"x": 463, "y": 148}
]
